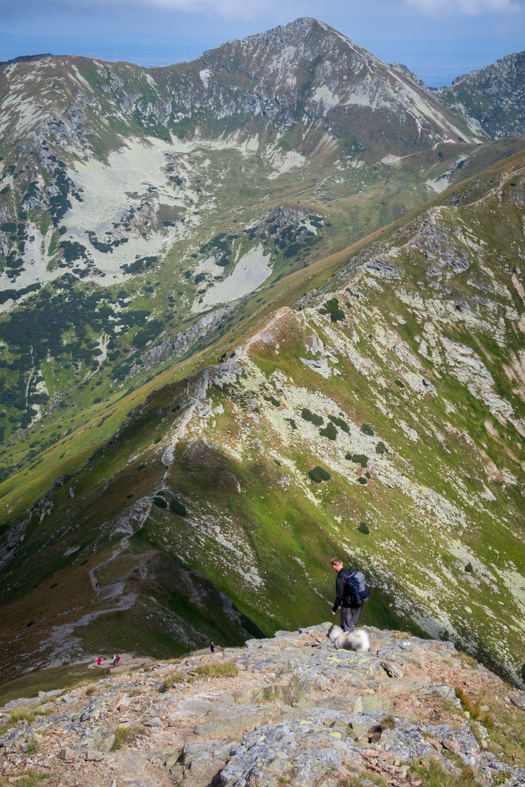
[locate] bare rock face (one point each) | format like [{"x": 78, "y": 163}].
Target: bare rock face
[{"x": 286, "y": 710}]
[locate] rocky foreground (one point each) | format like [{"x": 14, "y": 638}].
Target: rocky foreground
[{"x": 288, "y": 710}]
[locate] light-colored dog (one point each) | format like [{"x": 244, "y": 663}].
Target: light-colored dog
[{"x": 357, "y": 640}]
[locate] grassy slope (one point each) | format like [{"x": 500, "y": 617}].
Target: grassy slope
[
  {"x": 230, "y": 535},
  {"x": 293, "y": 288},
  {"x": 98, "y": 422}
]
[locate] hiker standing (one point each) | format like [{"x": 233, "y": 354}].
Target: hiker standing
[
  {"x": 351, "y": 593},
  {"x": 115, "y": 659},
  {"x": 212, "y": 647},
  {"x": 99, "y": 661}
]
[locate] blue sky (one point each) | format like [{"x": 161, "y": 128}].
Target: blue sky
[{"x": 437, "y": 39}]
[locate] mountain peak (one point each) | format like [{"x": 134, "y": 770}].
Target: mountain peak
[
  {"x": 288, "y": 34},
  {"x": 307, "y": 70}
]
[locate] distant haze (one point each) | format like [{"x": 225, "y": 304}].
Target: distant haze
[{"x": 436, "y": 40}]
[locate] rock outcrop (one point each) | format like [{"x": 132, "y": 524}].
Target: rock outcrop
[{"x": 288, "y": 710}]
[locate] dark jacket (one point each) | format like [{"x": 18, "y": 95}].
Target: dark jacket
[{"x": 340, "y": 600}]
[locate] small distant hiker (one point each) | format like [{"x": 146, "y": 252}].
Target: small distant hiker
[
  {"x": 118, "y": 659},
  {"x": 99, "y": 661},
  {"x": 212, "y": 647},
  {"x": 351, "y": 592},
  {"x": 115, "y": 659}
]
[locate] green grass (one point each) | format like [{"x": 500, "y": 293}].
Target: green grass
[
  {"x": 28, "y": 779},
  {"x": 388, "y": 723},
  {"x": 32, "y": 747},
  {"x": 22, "y": 714},
  {"x": 504, "y": 722},
  {"x": 227, "y": 669},
  {"x": 29, "y": 685},
  {"x": 357, "y": 781},
  {"x": 433, "y": 774},
  {"x": 127, "y": 734},
  {"x": 121, "y": 736}
]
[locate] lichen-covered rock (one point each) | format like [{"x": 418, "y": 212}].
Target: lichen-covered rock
[
  {"x": 201, "y": 762},
  {"x": 284, "y": 723}
]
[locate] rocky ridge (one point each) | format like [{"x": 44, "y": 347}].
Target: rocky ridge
[
  {"x": 492, "y": 99},
  {"x": 285, "y": 710}
]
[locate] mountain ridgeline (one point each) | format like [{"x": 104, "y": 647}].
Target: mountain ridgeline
[
  {"x": 492, "y": 100},
  {"x": 257, "y": 310}
]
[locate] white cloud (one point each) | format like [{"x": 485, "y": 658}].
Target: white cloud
[
  {"x": 228, "y": 9},
  {"x": 469, "y": 7}
]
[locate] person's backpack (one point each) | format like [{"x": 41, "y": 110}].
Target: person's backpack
[{"x": 356, "y": 591}]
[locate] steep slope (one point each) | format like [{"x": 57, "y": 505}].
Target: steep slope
[
  {"x": 134, "y": 200},
  {"x": 491, "y": 100},
  {"x": 307, "y": 71},
  {"x": 374, "y": 407},
  {"x": 288, "y": 710}
]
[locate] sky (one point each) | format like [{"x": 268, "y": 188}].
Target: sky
[{"x": 437, "y": 39}]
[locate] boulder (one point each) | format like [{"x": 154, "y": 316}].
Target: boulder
[
  {"x": 518, "y": 700},
  {"x": 392, "y": 670}
]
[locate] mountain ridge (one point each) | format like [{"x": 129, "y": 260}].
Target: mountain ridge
[
  {"x": 223, "y": 366},
  {"x": 236, "y": 449},
  {"x": 97, "y": 187}
]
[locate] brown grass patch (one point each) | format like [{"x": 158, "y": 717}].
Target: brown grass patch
[{"x": 172, "y": 679}]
